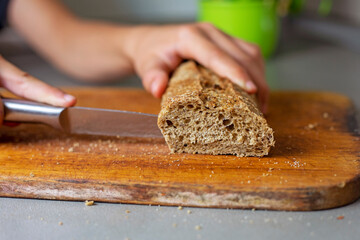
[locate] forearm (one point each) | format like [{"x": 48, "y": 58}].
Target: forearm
[
  {"x": 94, "y": 51},
  {"x": 85, "y": 49}
]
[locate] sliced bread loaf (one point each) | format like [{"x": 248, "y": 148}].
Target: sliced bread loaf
[{"x": 203, "y": 113}]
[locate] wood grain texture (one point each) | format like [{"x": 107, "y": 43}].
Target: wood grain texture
[{"x": 314, "y": 165}]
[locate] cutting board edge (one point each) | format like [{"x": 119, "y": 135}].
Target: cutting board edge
[{"x": 293, "y": 199}]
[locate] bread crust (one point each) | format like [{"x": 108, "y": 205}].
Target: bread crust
[{"x": 204, "y": 113}]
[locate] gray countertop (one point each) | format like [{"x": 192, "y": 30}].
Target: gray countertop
[
  {"x": 39, "y": 219},
  {"x": 299, "y": 65}
]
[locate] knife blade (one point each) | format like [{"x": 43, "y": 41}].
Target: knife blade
[{"x": 82, "y": 120}]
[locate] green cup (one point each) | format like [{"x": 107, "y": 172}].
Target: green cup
[{"x": 255, "y": 21}]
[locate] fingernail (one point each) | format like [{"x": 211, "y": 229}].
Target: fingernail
[
  {"x": 241, "y": 83},
  {"x": 69, "y": 98},
  {"x": 250, "y": 86},
  {"x": 154, "y": 87}
]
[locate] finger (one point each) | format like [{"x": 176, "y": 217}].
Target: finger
[
  {"x": 225, "y": 42},
  {"x": 246, "y": 55},
  {"x": 23, "y": 85},
  {"x": 154, "y": 75},
  {"x": 252, "y": 49},
  {"x": 236, "y": 48},
  {"x": 194, "y": 45}
]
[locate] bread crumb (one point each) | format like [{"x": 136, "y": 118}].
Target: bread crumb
[
  {"x": 325, "y": 115},
  {"x": 76, "y": 144},
  {"x": 189, "y": 211},
  {"x": 42, "y": 219},
  {"x": 342, "y": 184},
  {"x": 174, "y": 225},
  {"x": 340, "y": 217},
  {"x": 89, "y": 203},
  {"x": 61, "y": 223},
  {"x": 127, "y": 211},
  {"x": 71, "y": 149},
  {"x": 197, "y": 227},
  {"x": 180, "y": 207},
  {"x": 311, "y": 126}
]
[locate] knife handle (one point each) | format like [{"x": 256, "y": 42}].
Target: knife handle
[{"x": 16, "y": 110}]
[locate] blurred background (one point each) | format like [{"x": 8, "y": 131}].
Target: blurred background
[{"x": 308, "y": 44}]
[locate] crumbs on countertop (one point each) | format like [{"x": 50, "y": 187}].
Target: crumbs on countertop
[{"x": 89, "y": 203}]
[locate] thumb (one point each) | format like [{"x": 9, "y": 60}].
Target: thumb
[
  {"x": 155, "y": 76},
  {"x": 23, "y": 85}
]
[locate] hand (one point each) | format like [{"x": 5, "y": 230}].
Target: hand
[
  {"x": 157, "y": 50},
  {"x": 94, "y": 51},
  {"x": 23, "y": 85}
]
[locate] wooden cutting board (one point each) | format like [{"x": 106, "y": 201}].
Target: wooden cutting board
[{"x": 315, "y": 164}]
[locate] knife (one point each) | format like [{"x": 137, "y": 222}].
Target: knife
[{"x": 82, "y": 120}]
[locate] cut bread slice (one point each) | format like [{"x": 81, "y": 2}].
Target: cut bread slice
[{"x": 203, "y": 113}]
